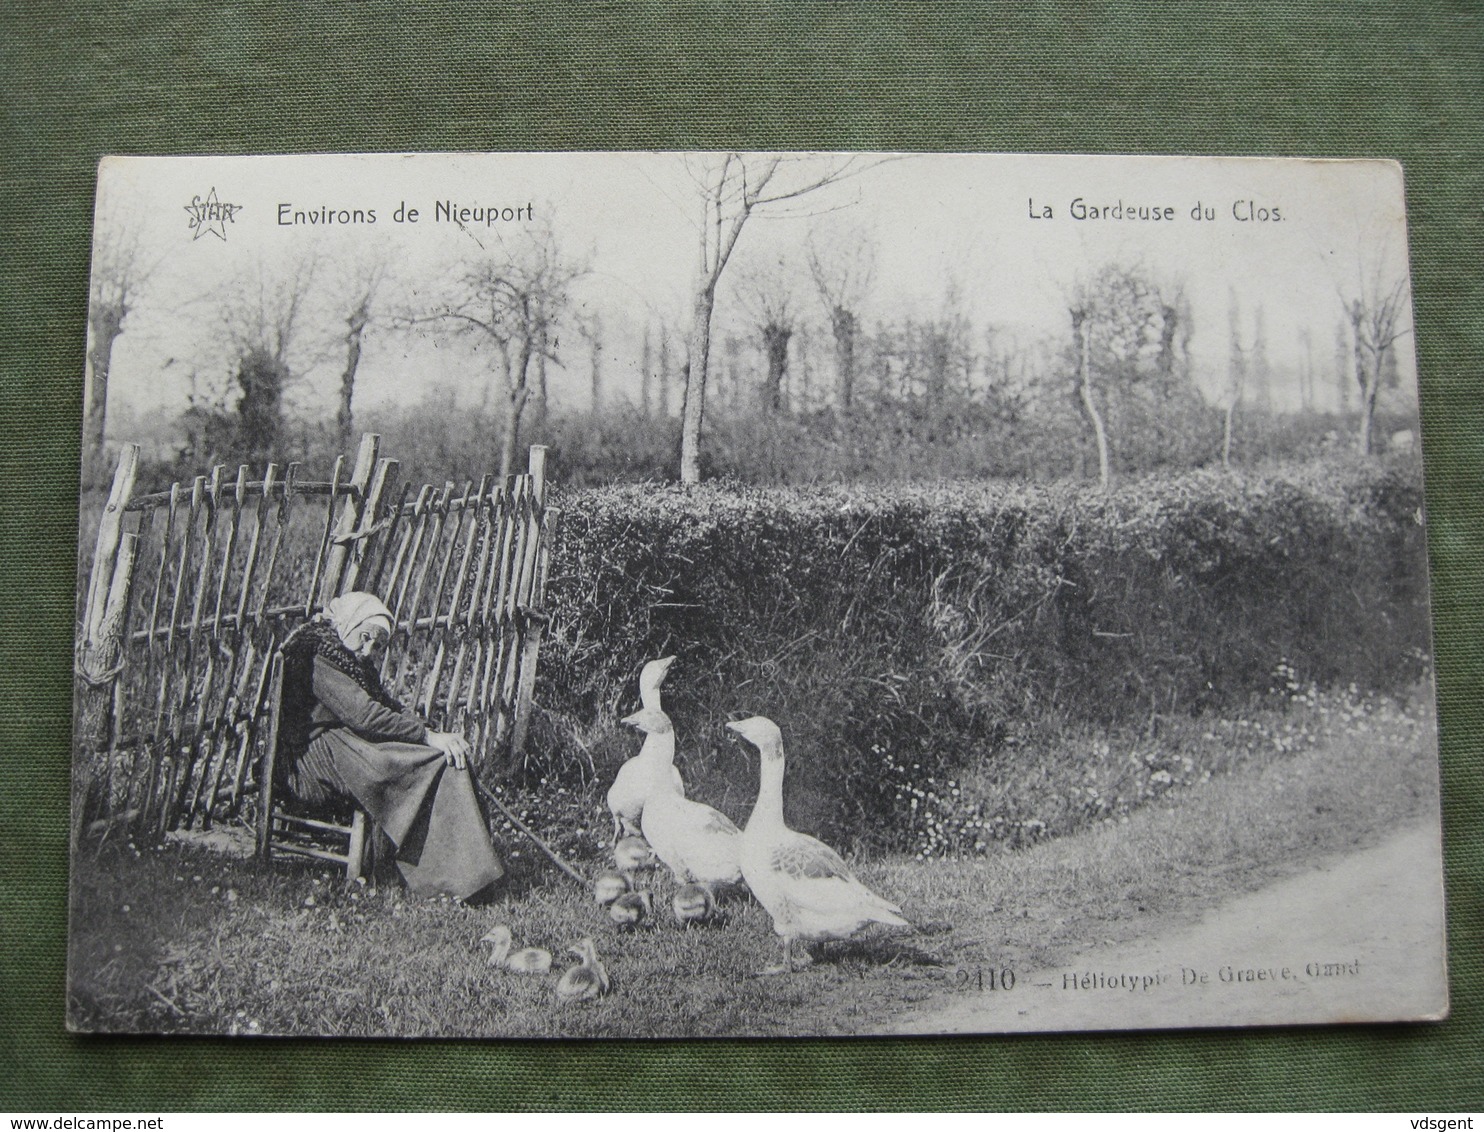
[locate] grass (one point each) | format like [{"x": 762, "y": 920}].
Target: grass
[{"x": 186, "y": 939}]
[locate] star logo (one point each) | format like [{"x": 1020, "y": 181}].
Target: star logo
[{"x": 210, "y": 215}]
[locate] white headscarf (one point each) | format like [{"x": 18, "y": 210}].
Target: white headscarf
[{"x": 351, "y": 611}]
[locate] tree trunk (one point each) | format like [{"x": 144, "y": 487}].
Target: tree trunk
[
  {"x": 1165, "y": 362},
  {"x": 542, "y": 404},
  {"x": 262, "y": 378},
  {"x": 344, "y": 420},
  {"x": 662, "y": 402},
  {"x": 646, "y": 360},
  {"x": 1083, "y": 341},
  {"x": 1226, "y": 435},
  {"x": 803, "y": 392},
  {"x": 597, "y": 367},
  {"x": 107, "y": 324},
  {"x": 515, "y": 405},
  {"x": 938, "y": 362},
  {"x": 1368, "y": 412},
  {"x": 695, "y": 388},
  {"x": 775, "y": 343},
  {"x": 843, "y": 327},
  {"x": 1369, "y": 383},
  {"x": 733, "y": 383}
]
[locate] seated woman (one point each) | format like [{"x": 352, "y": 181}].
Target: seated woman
[{"x": 342, "y": 736}]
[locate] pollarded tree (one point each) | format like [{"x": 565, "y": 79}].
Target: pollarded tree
[
  {"x": 1377, "y": 309},
  {"x": 119, "y": 273},
  {"x": 767, "y": 293},
  {"x": 1376, "y": 305},
  {"x": 262, "y": 316},
  {"x": 843, "y": 268}
]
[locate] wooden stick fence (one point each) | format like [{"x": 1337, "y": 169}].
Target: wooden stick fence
[{"x": 193, "y": 589}]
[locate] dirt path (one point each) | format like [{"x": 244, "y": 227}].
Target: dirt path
[{"x": 1355, "y": 938}]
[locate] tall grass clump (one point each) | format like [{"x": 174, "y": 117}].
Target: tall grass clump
[{"x": 908, "y": 637}]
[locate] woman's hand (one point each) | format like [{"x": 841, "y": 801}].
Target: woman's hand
[{"x": 454, "y": 746}]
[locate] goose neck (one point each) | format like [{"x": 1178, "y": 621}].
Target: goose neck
[
  {"x": 659, "y": 747},
  {"x": 769, "y": 808}
]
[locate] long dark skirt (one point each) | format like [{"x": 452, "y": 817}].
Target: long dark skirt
[{"x": 426, "y": 807}]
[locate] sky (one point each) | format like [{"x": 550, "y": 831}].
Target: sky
[{"x": 1010, "y": 236}]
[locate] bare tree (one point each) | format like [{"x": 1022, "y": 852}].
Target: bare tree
[
  {"x": 767, "y": 295},
  {"x": 1176, "y": 325},
  {"x": 118, "y": 274},
  {"x": 1375, "y": 300},
  {"x": 1261, "y": 367},
  {"x": 1306, "y": 368},
  {"x": 1376, "y": 309},
  {"x": 590, "y": 327},
  {"x": 511, "y": 301},
  {"x": 1236, "y": 377},
  {"x": 1082, "y": 344},
  {"x": 842, "y": 274},
  {"x": 360, "y": 300},
  {"x": 732, "y": 187}
]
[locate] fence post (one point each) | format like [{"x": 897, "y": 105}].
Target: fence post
[
  {"x": 533, "y": 613},
  {"x": 107, "y": 599},
  {"x": 536, "y": 468},
  {"x": 105, "y": 547},
  {"x": 98, "y": 671},
  {"x": 350, "y": 516},
  {"x": 383, "y": 483}
]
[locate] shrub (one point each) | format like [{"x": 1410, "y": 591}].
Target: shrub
[{"x": 910, "y": 635}]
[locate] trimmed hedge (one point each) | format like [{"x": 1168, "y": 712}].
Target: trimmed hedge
[{"x": 910, "y": 633}]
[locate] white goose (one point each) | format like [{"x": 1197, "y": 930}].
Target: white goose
[
  {"x": 653, "y": 768},
  {"x": 804, "y": 884},
  {"x": 697, "y": 842}
]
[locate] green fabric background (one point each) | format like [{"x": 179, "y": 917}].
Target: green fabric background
[{"x": 1310, "y": 77}]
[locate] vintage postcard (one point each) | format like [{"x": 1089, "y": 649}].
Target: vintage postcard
[{"x": 640, "y": 595}]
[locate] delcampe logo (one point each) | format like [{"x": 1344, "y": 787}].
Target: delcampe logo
[{"x": 210, "y": 215}]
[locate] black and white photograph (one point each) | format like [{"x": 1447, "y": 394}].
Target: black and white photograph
[{"x": 751, "y": 594}]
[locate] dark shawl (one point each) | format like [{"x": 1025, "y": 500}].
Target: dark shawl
[{"x": 316, "y": 640}]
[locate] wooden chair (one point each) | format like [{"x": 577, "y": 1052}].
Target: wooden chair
[{"x": 279, "y": 831}]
